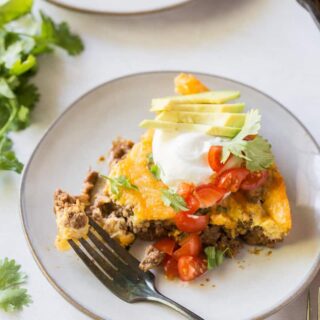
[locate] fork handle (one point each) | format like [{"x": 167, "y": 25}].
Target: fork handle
[{"x": 176, "y": 306}]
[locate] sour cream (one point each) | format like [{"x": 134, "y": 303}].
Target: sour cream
[{"x": 182, "y": 156}]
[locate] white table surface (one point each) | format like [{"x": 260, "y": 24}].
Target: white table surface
[{"x": 270, "y": 44}]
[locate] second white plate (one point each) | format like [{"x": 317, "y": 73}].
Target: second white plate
[{"x": 119, "y": 6}]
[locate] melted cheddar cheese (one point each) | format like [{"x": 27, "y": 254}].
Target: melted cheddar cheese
[
  {"x": 273, "y": 215},
  {"x": 145, "y": 203}
]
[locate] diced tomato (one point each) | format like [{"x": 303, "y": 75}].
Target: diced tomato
[
  {"x": 170, "y": 266},
  {"x": 185, "y": 189},
  {"x": 208, "y": 195},
  {"x": 190, "y": 223},
  {"x": 231, "y": 163},
  {"x": 254, "y": 180},
  {"x": 250, "y": 137},
  {"x": 190, "y": 246},
  {"x": 190, "y": 267},
  {"x": 214, "y": 158},
  {"x": 165, "y": 245},
  {"x": 192, "y": 203},
  {"x": 230, "y": 180}
]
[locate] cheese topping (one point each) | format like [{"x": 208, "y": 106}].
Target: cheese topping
[{"x": 146, "y": 203}]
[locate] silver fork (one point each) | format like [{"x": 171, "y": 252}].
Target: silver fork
[
  {"x": 119, "y": 271},
  {"x": 308, "y": 314}
]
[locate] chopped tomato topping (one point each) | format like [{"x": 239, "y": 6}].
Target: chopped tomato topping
[
  {"x": 185, "y": 189},
  {"x": 254, "y": 180},
  {"x": 165, "y": 245},
  {"x": 214, "y": 158},
  {"x": 250, "y": 137},
  {"x": 190, "y": 246},
  {"x": 232, "y": 163},
  {"x": 208, "y": 195},
  {"x": 190, "y": 267},
  {"x": 193, "y": 204},
  {"x": 170, "y": 266},
  {"x": 190, "y": 223},
  {"x": 230, "y": 180}
]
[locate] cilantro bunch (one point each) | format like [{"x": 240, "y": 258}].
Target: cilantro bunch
[
  {"x": 12, "y": 296},
  {"x": 23, "y": 37}
]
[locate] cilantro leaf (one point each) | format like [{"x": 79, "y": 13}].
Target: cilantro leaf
[
  {"x": 237, "y": 145},
  {"x": 215, "y": 257},
  {"x": 5, "y": 89},
  {"x": 27, "y": 95},
  {"x": 8, "y": 159},
  {"x": 59, "y": 35},
  {"x": 153, "y": 168},
  {"x": 259, "y": 151},
  {"x": 173, "y": 200},
  {"x": 12, "y": 297},
  {"x": 120, "y": 182},
  {"x": 256, "y": 152},
  {"x": 14, "y": 9}
]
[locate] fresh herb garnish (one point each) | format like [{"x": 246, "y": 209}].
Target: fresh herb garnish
[
  {"x": 173, "y": 200},
  {"x": 23, "y": 37},
  {"x": 120, "y": 182},
  {"x": 215, "y": 257},
  {"x": 12, "y": 296},
  {"x": 256, "y": 152},
  {"x": 153, "y": 168}
]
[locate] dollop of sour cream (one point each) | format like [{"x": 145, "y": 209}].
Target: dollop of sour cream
[{"x": 183, "y": 156}]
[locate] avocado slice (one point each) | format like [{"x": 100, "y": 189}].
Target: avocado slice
[
  {"x": 232, "y": 107},
  {"x": 213, "y": 119},
  {"x": 229, "y": 132},
  {"x": 204, "y": 97}
]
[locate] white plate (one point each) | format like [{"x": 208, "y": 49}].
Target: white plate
[
  {"x": 85, "y": 131},
  {"x": 119, "y": 6}
]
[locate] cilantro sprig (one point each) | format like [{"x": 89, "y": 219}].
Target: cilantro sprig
[
  {"x": 173, "y": 200},
  {"x": 215, "y": 257},
  {"x": 153, "y": 168},
  {"x": 116, "y": 184},
  {"x": 256, "y": 152},
  {"x": 12, "y": 296},
  {"x": 23, "y": 37}
]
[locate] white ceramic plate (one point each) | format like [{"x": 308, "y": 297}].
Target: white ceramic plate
[
  {"x": 85, "y": 131},
  {"x": 119, "y": 6}
]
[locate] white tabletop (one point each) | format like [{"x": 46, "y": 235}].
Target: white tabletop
[{"x": 270, "y": 44}]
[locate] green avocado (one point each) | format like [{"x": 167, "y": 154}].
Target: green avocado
[
  {"x": 213, "y": 119},
  {"x": 212, "y": 97},
  {"x": 232, "y": 107},
  {"x": 229, "y": 132}
]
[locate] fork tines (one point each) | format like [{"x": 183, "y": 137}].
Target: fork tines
[{"x": 112, "y": 264}]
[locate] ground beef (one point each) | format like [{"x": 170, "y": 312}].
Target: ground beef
[
  {"x": 152, "y": 230},
  {"x": 211, "y": 235},
  {"x": 256, "y": 237},
  {"x": 70, "y": 210},
  {"x": 257, "y": 195},
  {"x": 88, "y": 185},
  {"x": 152, "y": 258},
  {"x": 221, "y": 239},
  {"x": 120, "y": 148}
]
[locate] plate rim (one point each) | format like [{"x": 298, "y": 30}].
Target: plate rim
[
  {"x": 114, "y": 13},
  {"x": 38, "y": 261}
]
